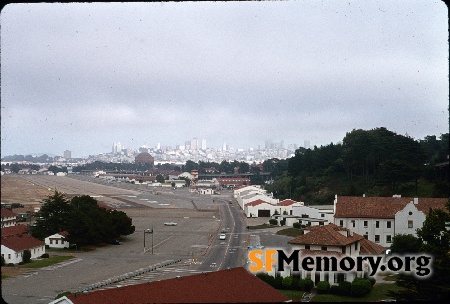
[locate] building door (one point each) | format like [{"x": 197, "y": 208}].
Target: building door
[{"x": 263, "y": 213}]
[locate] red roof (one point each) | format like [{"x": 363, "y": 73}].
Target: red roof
[
  {"x": 21, "y": 242},
  {"x": 234, "y": 285},
  {"x": 7, "y": 213},
  {"x": 381, "y": 207},
  {"x": 369, "y": 247},
  {"x": 257, "y": 202},
  {"x": 14, "y": 230},
  {"x": 286, "y": 202},
  {"x": 328, "y": 235}
]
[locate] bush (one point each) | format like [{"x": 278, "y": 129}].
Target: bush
[
  {"x": 21, "y": 263},
  {"x": 287, "y": 282},
  {"x": 295, "y": 283},
  {"x": 345, "y": 288},
  {"x": 372, "y": 280},
  {"x": 26, "y": 256},
  {"x": 296, "y": 225},
  {"x": 283, "y": 222},
  {"x": 334, "y": 289},
  {"x": 360, "y": 287},
  {"x": 278, "y": 282},
  {"x": 273, "y": 222},
  {"x": 323, "y": 287},
  {"x": 306, "y": 284},
  {"x": 11, "y": 264},
  {"x": 45, "y": 256},
  {"x": 266, "y": 278}
]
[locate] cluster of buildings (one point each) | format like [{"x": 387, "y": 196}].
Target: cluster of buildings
[
  {"x": 15, "y": 239},
  {"x": 351, "y": 226}
]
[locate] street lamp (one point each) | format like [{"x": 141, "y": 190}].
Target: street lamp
[{"x": 150, "y": 231}]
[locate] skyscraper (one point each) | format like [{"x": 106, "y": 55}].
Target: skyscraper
[{"x": 67, "y": 154}]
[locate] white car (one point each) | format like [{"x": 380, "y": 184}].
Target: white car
[
  {"x": 170, "y": 223},
  {"x": 222, "y": 236}
]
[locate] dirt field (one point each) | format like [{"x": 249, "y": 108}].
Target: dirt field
[{"x": 15, "y": 189}]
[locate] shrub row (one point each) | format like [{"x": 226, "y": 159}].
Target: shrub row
[{"x": 358, "y": 288}]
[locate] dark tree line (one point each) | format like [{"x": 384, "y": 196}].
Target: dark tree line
[
  {"x": 376, "y": 162},
  {"x": 86, "y": 222}
]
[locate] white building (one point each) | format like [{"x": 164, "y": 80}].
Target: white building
[
  {"x": 13, "y": 247},
  {"x": 333, "y": 241},
  {"x": 259, "y": 208},
  {"x": 8, "y": 218},
  {"x": 57, "y": 240},
  {"x": 378, "y": 219}
]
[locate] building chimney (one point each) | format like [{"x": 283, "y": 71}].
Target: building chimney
[{"x": 416, "y": 200}]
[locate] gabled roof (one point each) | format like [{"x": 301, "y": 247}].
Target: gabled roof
[
  {"x": 369, "y": 247},
  {"x": 287, "y": 202},
  {"x": 234, "y": 285},
  {"x": 381, "y": 207},
  {"x": 64, "y": 234},
  {"x": 258, "y": 202},
  {"x": 7, "y": 213},
  {"x": 327, "y": 235},
  {"x": 14, "y": 230},
  {"x": 21, "y": 242}
]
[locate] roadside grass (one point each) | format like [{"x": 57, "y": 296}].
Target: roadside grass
[
  {"x": 47, "y": 261},
  {"x": 290, "y": 232},
  {"x": 262, "y": 226},
  {"x": 379, "y": 292},
  {"x": 13, "y": 271}
]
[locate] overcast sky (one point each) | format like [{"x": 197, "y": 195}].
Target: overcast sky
[{"x": 82, "y": 76}]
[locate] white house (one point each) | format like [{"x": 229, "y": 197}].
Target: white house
[
  {"x": 8, "y": 218},
  {"x": 237, "y": 191},
  {"x": 333, "y": 241},
  {"x": 13, "y": 247},
  {"x": 244, "y": 200},
  {"x": 58, "y": 240},
  {"x": 259, "y": 208},
  {"x": 378, "y": 219}
]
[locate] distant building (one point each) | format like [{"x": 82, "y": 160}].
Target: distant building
[
  {"x": 13, "y": 247},
  {"x": 67, "y": 154},
  {"x": 144, "y": 158},
  {"x": 8, "y": 218}
]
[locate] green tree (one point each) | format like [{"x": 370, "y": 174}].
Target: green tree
[
  {"x": 26, "y": 258},
  {"x": 52, "y": 217},
  {"x": 160, "y": 178},
  {"x": 405, "y": 243},
  {"x": 435, "y": 237}
]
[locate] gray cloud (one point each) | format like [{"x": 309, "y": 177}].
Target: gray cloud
[{"x": 81, "y": 76}]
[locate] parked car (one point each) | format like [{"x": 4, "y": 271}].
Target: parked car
[
  {"x": 222, "y": 236},
  {"x": 170, "y": 223},
  {"x": 114, "y": 242}
]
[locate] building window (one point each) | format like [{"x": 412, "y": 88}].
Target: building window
[
  {"x": 388, "y": 224},
  {"x": 410, "y": 224},
  {"x": 377, "y": 224},
  {"x": 322, "y": 215},
  {"x": 341, "y": 223},
  {"x": 353, "y": 224},
  {"x": 356, "y": 245},
  {"x": 339, "y": 277},
  {"x": 388, "y": 239},
  {"x": 320, "y": 223},
  {"x": 324, "y": 248},
  {"x": 377, "y": 238},
  {"x": 365, "y": 224},
  {"x": 366, "y": 236},
  {"x": 307, "y": 247},
  {"x": 51, "y": 242},
  {"x": 9, "y": 256}
]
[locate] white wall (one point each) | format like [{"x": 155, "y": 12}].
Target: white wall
[
  {"x": 409, "y": 213},
  {"x": 56, "y": 241}
]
